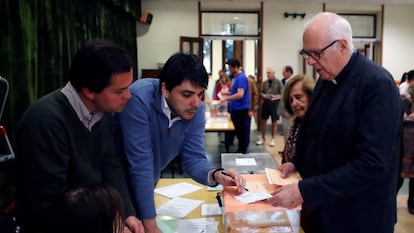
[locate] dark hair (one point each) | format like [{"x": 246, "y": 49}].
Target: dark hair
[
  {"x": 410, "y": 75},
  {"x": 233, "y": 62},
  {"x": 289, "y": 69},
  {"x": 183, "y": 67},
  {"x": 403, "y": 77},
  {"x": 92, "y": 208},
  {"x": 95, "y": 63},
  {"x": 308, "y": 86}
]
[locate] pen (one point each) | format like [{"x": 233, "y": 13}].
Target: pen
[
  {"x": 218, "y": 197},
  {"x": 224, "y": 173}
]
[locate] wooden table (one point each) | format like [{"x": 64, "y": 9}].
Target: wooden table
[{"x": 202, "y": 194}]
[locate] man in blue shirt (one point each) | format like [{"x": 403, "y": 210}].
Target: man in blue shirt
[
  {"x": 239, "y": 104},
  {"x": 165, "y": 118}
]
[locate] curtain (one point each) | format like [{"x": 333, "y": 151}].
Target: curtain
[{"x": 38, "y": 39}]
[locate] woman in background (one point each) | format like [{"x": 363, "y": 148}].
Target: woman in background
[
  {"x": 407, "y": 148},
  {"x": 223, "y": 85},
  {"x": 296, "y": 97}
]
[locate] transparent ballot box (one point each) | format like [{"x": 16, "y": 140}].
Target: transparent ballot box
[
  {"x": 262, "y": 221},
  {"x": 257, "y": 216},
  {"x": 218, "y": 110}
]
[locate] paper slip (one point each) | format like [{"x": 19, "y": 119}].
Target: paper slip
[
  {"x": 250, "y": 197},
  {"x": 210, "y": 209},
  {"x": 246, "y": 162},
  {"x": 273, "y": 175},
  {"x": 197, "y": 225},
  {"x": 178, "y": 207},
  {"x": 217, "y": 188},
  {"x": 176, "y": 190}
]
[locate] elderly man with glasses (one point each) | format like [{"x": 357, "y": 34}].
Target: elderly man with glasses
[{"x": 346, "y": 146}]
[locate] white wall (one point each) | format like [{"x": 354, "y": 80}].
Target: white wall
[
  {"x": 398, "y": 43},
  {"x": 282, "y": 38},
  {"x": 158, "y": 41}
]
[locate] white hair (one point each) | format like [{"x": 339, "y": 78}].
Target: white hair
[{"x": 337, "y": 27}]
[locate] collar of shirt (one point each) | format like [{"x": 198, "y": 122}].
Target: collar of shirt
[
  {"x": 167, "y": 112},
  {"x": 88, "y": 119}
]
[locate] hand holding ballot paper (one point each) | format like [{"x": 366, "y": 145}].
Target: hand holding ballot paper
[{"x": 288, "y": 195}]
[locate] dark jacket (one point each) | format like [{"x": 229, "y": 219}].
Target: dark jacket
[{"x": 346, "y": 149}]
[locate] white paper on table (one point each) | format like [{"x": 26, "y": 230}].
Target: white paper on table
[
  {"x": 246, "y": 162},
  {"x": 178, "y": 207},
  {"x": 217, "y": 188},
  {"x": 197, "y": 225},
  {"x": 176, "y": 190},
  {"x": 250, "y": 197},
  {"x": 210, "y": 209}
]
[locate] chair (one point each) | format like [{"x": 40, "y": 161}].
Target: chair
[
  {"x": 6, "y": 151},
  {"x": 174, "y": 165},
  {"x": 7, "y": 220}
]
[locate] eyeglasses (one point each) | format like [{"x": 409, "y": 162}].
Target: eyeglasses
[{"x": 315, "y": 54}]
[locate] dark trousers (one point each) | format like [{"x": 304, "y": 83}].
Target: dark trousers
[{"x": 241, "y": 123}]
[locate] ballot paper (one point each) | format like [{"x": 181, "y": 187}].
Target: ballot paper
[
  {"x": 274, "y": 177},
  {"x": 210, "y": 209},
  {"x": 250, "y": 197},
  {"x": 176, "y": 190},
  {"x": 197, "y": 225},
  {"x": 246, "y": 162},
  {"x": 178, "y": 207}
]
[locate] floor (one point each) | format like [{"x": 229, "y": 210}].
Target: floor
[{"x": 215, "y": 147}]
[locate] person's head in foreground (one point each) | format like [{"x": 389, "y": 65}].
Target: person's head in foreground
[{"x": 93, "y": 208}]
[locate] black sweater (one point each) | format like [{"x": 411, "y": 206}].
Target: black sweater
[{"x": 56, "y": 152}]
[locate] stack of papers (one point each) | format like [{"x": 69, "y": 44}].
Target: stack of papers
[
  {"x": 176, "y": 190},
  {"x": 178, "y": 207}
]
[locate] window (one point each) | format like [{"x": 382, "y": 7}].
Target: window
[
  {"x": 363, "y": 25},
  {"x": 229, "y": 23}
]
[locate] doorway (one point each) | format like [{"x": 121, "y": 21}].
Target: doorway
[{"x": 219, "y": 50}]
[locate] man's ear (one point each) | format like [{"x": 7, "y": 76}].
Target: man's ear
[
  {"x": 88, "y": 94},
  {"x": 164, "y": 90},
  {"x": 343, "y": 44}
]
